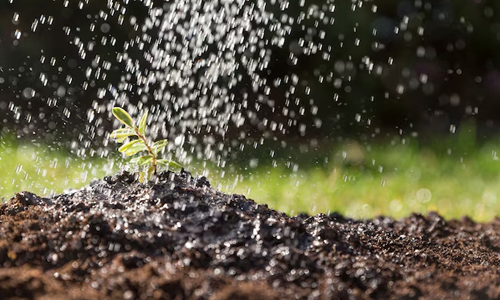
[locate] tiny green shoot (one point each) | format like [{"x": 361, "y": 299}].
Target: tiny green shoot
[{"x": 150, "y": 161}]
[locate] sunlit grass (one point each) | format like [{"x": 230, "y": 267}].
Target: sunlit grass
[
  {"x": 358, "y": 181},
  {"x": 44, "y": 171},
  {"x": 388, "y": 180}
]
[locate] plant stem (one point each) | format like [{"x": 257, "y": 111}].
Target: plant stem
[{"x": 143, "y": 138}]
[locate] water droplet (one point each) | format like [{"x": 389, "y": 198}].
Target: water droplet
[
  {"x": 424, "y": 195},
  {"x": 17, "y": 34}
]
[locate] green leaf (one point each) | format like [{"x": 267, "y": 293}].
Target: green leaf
[
  {"x": 123, "y": 116},
  {"x": 142, "y": 160},
  {"x": 168, "y": 163},
  {"x": 159, "y": 145},
  {"x": 121, "y": 134},
  {"x": 151, "y": 171},
  {"x": 135, "y": 148},
  {"x": 129, "y": 145},
  {"x": 122, "y": 131},
  {"x": 121, "y": 140},
  {"x": 143, "y": 122},
  {"x": 142, "y": 177}
]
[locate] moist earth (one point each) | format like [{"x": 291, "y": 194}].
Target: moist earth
[{"x": 178, "y": 238}]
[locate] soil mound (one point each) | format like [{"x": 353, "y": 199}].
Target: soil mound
[{"x": 179, "y": 238}]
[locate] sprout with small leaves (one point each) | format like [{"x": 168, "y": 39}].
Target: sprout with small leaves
[{"x": 141, "y": 144}]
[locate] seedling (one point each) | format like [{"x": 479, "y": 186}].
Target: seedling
[{"x": 150, "y": 161}]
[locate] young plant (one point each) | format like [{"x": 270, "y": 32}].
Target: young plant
[{"x": 150, "y": 160}]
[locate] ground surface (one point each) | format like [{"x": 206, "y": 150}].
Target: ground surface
[{"x": 179, "y": 238}]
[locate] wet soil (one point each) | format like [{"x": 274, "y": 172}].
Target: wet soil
[{"x": 178, "y": 238}]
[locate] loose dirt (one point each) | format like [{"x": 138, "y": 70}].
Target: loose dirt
[{"x": 179, "y": 238}]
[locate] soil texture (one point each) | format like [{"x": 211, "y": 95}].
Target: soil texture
[{"x": 178, "y": 238}]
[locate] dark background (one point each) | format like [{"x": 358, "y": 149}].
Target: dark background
[{"x": 420, "y": 67}]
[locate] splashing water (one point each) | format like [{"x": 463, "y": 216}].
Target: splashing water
[
  {"x": 220, "y": 78},
  {"x": 204, "y": 67}
]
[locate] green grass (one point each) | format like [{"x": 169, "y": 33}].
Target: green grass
[
  {"x": 43, "y": 170},
  {"x": 453, "y": 177},
  {"x": 404, "y": 180}
]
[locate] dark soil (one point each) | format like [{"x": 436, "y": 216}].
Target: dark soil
[{"x": 178, "y": 238}]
